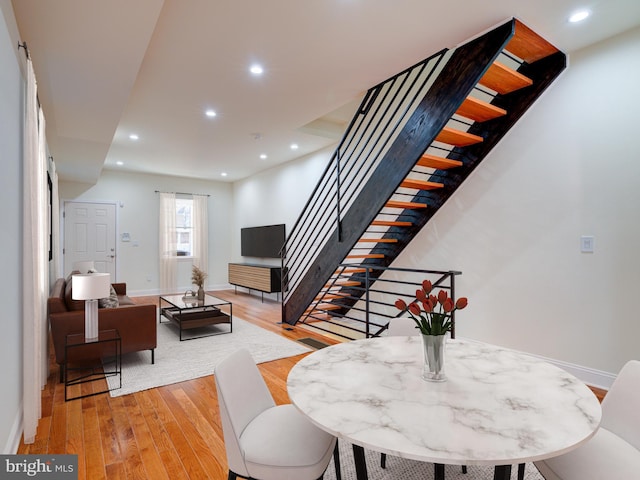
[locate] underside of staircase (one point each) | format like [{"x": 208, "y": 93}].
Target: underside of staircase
[{"x": 386, "y": 191}]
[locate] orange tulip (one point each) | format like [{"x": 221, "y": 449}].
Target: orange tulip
[
  {"x": 427, "y": 306},
  {"x": 461, "y": 303},
  {"x": 421, "y": 296},
  {"x": 427, "y": 286},
  {"x": 401, "y": 304},
  {"x": 448, "y": 306},
  {"x": 414, "y": 308},
  {"x": 442, "y": 296}
]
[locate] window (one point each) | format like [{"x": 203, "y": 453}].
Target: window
[{"x": 184, "y": 227}]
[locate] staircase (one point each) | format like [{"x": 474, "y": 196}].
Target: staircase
[{"x": 413, "y": 141}]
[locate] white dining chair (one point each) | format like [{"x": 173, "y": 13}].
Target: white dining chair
[
  {"x": 614, "y": 451},
  {"x": 402, "y": 326},
  {"x": 264, "y": 441}
]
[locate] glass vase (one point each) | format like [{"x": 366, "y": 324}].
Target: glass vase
[{"x": 433, "y": 369}]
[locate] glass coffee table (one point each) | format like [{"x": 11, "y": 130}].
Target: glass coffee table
[{"x": 197, "y": 316}]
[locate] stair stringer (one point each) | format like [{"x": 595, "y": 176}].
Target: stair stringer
[{"x": 462, "y": 72}]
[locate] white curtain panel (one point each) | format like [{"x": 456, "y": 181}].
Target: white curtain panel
[
  {"x": 168, "y": 243},
  {"x": 55, "y": 223},
  {"x": 35, "y": 261},
  {"x": 200, "y": 232}
]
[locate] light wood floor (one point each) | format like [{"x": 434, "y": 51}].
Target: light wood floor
[{"x": 171, "y": 432}]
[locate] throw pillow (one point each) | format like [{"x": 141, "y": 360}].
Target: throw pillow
[{"x": 109, "y": 302}]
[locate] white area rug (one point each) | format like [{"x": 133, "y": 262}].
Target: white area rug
[
  {"x": 178, "y": 361},
  {"x": 402, "y": 469}
]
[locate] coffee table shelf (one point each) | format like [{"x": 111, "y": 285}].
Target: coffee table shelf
[{"x": 188, "y": 313}]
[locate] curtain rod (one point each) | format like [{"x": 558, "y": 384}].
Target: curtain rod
[
  {"x": 26, "y": 49},
  {"x": 186, "y": 193}
]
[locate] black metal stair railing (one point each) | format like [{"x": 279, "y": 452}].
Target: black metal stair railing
[
  {"x": 380, "y": 118},
  {"x": 403, "y": 155},
  {"x": 371, "y": 303}
]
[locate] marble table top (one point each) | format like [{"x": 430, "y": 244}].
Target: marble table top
[{"x": 496, "y": 407}]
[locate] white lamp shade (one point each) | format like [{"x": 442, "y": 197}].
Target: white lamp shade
[{"x": 90, "y": 286}]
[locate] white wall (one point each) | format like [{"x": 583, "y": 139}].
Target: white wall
[
  {"x": 137, "y": 214},
  {"x": 277, "y": 195},
  {"x": 570, "y": 167},
  {"x": 11, "y": 295}
]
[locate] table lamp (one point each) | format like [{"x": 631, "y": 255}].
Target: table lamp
[{"x": 90, "y": 287}]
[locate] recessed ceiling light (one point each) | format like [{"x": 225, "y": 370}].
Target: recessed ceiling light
[
  {"x": 133, "y": 136},
  {"x": 119, "y": 162},
  {"x": 294, "y": 146},
  {"x": 579, "y": 16},
  {"x": 256, "y": 69},
  {"x": 223, "y": 174},
  {"x": 263, "y": 156},
  {"x": 210, "y": 113}
]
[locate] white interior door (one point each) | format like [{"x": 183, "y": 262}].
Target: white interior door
[{"x": 90, "y": 235}]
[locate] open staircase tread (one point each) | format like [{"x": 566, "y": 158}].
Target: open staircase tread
[
  {"x": 342, "y": 283},
  {"x": 420, "y": 184},
  {"x": 528, "y": 45},
  {"x": 350, "y": 271},
  {"x": 440, "y": 163},
  {"x": 479, "y": 110},
  {"x": 503, "y": 79},
  {"x": 389, "y": 223},
  {"x": 405, "y": 205},
  {"x": 366, "y": 255},
  {"x": 457, "y": 138}
]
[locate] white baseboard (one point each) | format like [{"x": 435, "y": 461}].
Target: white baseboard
[
  {"x": 13, "y": 442},
  {"x": 590, "y": 376}
]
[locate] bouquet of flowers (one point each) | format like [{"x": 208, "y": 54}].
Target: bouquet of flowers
[{"x": 432, "y": 313}]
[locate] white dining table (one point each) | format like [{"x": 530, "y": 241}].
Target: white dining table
[{"x": 498, "y": 407}]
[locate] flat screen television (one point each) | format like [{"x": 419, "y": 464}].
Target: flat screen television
[{"x": 264, "y": 242}]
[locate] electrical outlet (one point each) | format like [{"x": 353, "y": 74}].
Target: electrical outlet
[{"x": 587, "y": 244}]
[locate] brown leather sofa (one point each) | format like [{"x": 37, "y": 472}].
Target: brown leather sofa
[{"x": 136, "y": 324}]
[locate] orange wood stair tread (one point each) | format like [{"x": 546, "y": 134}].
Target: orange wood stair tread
[
  {"x": 324, "y": 306},
  {"x": 366, "y": 255},
  {"x": 503, "y": 79},
  {"x": 350, "y": 271},
  {"x": 528, "y": 45},
  {"x": 378, "y": 240},
  {"x": 388, "y": 223},
  {"x": 343, "y": 283},
  {"x": 457, "y": 138},
  {"x": 420, "y": 184},
  {"x": 479, "y": 111},
  {"x": 433, "y": 161},
  {"x": 405, "y": 205},
  {"x": 331, "y": 296}
]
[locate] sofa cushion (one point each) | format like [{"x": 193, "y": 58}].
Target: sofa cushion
[{"x": 111, "y": 301}]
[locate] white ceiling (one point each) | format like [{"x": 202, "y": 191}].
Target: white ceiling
[{"x": 106, "y": 69}]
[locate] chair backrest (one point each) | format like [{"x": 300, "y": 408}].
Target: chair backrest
[
  {"x": 620, "y": 407},
  {"x": 242, "y": 396},
  {"x": 402, "y": 326}
]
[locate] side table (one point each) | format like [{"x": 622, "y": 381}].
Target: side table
[{"x": 90, "y": 361}]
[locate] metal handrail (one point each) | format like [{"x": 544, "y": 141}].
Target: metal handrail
[
  {"x": 383, "y": 111},
  {"x": 369, "y": 310}
]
